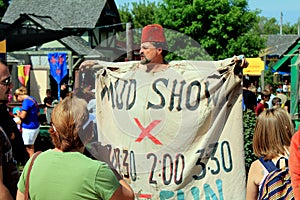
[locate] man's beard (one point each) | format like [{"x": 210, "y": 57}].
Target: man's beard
[{"x": 145, "y": 61}]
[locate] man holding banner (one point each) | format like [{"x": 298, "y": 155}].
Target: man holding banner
[{"x": 174, "y": 130}]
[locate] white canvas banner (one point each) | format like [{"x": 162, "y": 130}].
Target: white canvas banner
[{"x": 174, "y": 134}]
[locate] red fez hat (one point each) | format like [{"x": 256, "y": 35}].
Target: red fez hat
[{"x": 153, "y": 33}]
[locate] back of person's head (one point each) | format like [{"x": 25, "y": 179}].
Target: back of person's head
[
  {"x": 68, "y": 118},
  {"x": 265, "y": 93},
  {"x": 78, "y": 92},
  {"x": 276, "y": 101},
  {"x": 253, "y": 89},
  {"x": 21, "y": 91},
  {"x": 246, "y": 83},
  {"x": 268, "y": 87},
  {"x": 272, "y": 134},
  {"x": 279, "y": 90}
]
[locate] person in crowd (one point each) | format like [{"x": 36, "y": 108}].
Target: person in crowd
[
  {"x": 16, "y": 118},
  {"x": 89, "y": 97},
  {"x": 84, "y": 92},
  {"x": 9, "y": 174},
  {"x": 281, "y": 95},
  {"x": 287, "y": 105},
  {"x": 63, "y": 91},
  {"x": 271, "y": 141},
  {"x": 253, "y": 89},
  {"x": 249, "y": 97},
  {"x": 285, "y": 86},
  {"x": 29, "y": 117},
  {"x": 48, "y": 104},
  {"x": 262, "y": 105},
  {"x": 11, "y": 128},
  {"x": 294, "y": 163},
  {"x": 276, "y": 102},
  {"x": 270, "y": 88},
  {"x": 53, "y": 175}
]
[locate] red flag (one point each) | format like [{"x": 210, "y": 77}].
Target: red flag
[{"x": 23, "y": 74}]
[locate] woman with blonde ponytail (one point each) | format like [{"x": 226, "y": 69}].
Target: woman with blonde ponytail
[{"x": 29, "y": 116}]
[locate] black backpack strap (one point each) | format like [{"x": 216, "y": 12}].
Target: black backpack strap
[
  {"x": 286, "y": 162},
  {"x": 268, "y": 164}
]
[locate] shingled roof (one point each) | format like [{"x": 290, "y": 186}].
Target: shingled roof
[
  {"x": 68, "y": 13},
  {"x": 79, "y": 46},
  {"x": 35, "y": 22},
  {"x": 280, "y": 44}
]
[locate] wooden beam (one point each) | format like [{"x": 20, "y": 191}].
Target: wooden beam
[
  {"x": 285, "y": 58},
  {"x": 294, "y": 88}
]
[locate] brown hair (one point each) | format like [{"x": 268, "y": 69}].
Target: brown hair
[
  {"x": 265, "y": 93},
  {"x": 67, "y": 118},
  {"x": 272, "y": 134}
]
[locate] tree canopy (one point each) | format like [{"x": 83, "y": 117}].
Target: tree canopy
[
  {"x": 3, "y": 6},
  {"x": 222, "y": 27}
]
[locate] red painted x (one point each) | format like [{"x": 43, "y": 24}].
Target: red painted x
[{"x": 146, "y": 131}]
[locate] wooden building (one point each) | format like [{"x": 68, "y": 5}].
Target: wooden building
[{"x": 82, "y": 29}]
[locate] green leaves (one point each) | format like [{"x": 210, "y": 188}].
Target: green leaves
[
  {"x": 249, "y": 120},
  {"x": 3, "y": 6}
]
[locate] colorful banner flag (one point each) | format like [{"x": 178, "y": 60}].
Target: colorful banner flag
[
  {"x": 23, "y": 74},
  {"x": 58, "y": 67}
]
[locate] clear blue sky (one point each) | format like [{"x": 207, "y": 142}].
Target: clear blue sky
[{"x": 269, "y": 8}]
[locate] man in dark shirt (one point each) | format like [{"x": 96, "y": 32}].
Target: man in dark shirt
[
  {"x": 63, "y": 91},
  {"x": 48, "y": 104},
  {"x": 249, "y": 98},
  {"x": 8, "y": 169},
  {"x": 13, "y": 133}
]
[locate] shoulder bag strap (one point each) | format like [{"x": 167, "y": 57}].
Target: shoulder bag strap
[
  {"x": 26, "y": 195},
  {"x": 34, "y": 101},
  {"x": 268, "y": 164}
]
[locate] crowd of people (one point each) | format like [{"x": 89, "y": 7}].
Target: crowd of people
[
  {"x": 72, "y": 128},
  {"x": 275, "y": 142},
  {"x": 257, "y": 99}
]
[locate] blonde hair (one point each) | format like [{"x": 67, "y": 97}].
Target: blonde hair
[
  {"x": 20, "y": 91},
  {"x": 67, "y": 117},
  {"x": 273, "y": 133}
]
